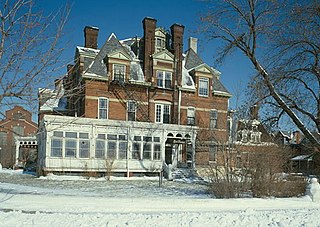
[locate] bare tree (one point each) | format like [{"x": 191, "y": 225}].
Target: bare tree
[
  {"x": 29, "y": 50},
  {"x": 281, "y": 40}
]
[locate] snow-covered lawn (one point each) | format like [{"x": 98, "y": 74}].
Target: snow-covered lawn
[{"x": 67, "y": 203}]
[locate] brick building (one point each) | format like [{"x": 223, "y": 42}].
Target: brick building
[
  {"x": 17, "y": 126},
  {"x": 139, "y": 84}
]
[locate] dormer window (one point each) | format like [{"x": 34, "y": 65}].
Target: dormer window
[
  {"x": 119, "y": 72},
  {"x": 164, "y": 79},
  {"x": 204, "y": 87},
  {"x": 160, "y": 44}
]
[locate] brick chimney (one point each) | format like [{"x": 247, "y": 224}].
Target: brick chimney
[
  {"x": 149, "y": 28},
  {"x": 91, "y": 37},
  {"x": 177, "y": 46}
]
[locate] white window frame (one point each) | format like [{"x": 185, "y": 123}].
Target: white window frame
[
  {"x": 162, "y": 78},
  {"x": 106, "y": 108},
  {"x": 121, "y": 77},
  {"x": 160, "y": 108},
  {"x": 203, "y": 89}
]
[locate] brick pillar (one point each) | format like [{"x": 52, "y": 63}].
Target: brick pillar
[
  {"x": 149, "y": 27},
  {"x": 177, "y": 48},
  {"x": 91, "y": 37}
]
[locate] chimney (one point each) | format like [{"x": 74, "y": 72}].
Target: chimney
[
  {"x": 177, "y": 46},
  {"x": 149, "y": 28},
  {"x": 91, "y": 37},
  {"x": 254, "y": 112},
  {"x": 193, "y": 44}
]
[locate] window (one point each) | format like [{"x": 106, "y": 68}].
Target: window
[
  {"x": 131, "y": 107},
  {"x": 123, "y": 147},
  {"x": 156, "y": 149},
  {"x": 56, "y": 144},
  {"x": 164, "y": 79},
  {"x": 163, "y": 113},
  {"x": 147, "y": 142},
  {"x": 3, "y": 138},
  {"x": 84, "y": 145},
  {"x": 136, "y": 148},
  {"x": 18, "y": 130},
  {"x": 191, "y": 113},
  {"x": 119, "y": 73},
  {"x": 112, "y": 146},
  {"x": 71, "y": 144},
  {"x": 103, "y": 108},
  {"x": 18, "y": 115},
  {"x": 160, "y": 44},
  {"x": 213, "y": 119},
  {"x": 203, "y": 87},
  {"x": 213, "y": 149},
  {"x": 100, "y": 146}
]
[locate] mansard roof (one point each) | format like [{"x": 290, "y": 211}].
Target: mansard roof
[
  {"x": 192, "y": 59},
  {"x": 97, "y": 66}
]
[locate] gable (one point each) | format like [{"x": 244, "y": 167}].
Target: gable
[
  {"x": 119, "y": 55},
  {"x": 203, "y": 68},
  {"x": 163, "y": 55}
]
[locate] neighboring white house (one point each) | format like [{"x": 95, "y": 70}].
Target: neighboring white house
[{"x": 71, "y": 144}]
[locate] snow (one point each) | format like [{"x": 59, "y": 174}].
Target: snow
[{"x": 25, "y": 205}]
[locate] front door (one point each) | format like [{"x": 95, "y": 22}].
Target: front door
[{"x": 168, "y": 154}]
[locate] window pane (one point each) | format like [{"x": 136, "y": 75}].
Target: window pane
[
  {"x": 122, "y": 137},
  {"x": 156, "y": 152},
  {"x": 112, "y": 150},
  {"x": 118, "y": 73},
  {"x": 123, "y": 150},
  {"x": 56, "y": 148},
  {"x": 83, "y": 135},
  {"x": 136, "y": 150},
  {"x": 71, "y": 148},
  {"x": 111, "y": 137},
  {"x": 147, "y": 151},
  {"x": 203, "y": 86},
  {"x": 101, "y": 136},
  {"x": 58, "y": 134},
  {"x": 168, "y": 80},
  {"x": 160, "y": 78},
  {"x": 71, "y": 134},
  {"x": 158, "y": 113},
  {"x": 147, "y": 138},
  {"x": 137, "y": 138},
  {"x": 84, "y": 148},
  {"x": 100, "y": 149},
  {"x": 156, "y": 139}
]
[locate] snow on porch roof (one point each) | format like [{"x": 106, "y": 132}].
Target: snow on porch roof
[{"x": 307, "y": 157}]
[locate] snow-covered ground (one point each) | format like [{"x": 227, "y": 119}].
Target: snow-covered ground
[{"x": 73, "y": 201}]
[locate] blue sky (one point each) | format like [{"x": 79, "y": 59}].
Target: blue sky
[{"x": 124, "y": 18}]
